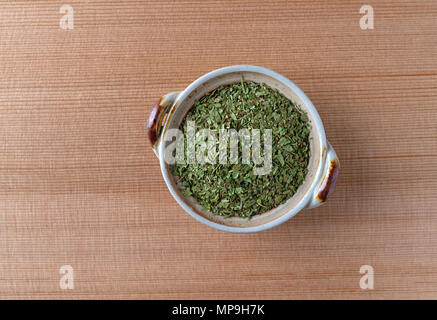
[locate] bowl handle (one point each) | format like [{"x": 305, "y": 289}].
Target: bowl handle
[
  {"x": 157, "y": 117},
  {"x": 324, "y": 188}
]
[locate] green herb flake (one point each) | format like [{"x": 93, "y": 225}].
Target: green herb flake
[{"x": 232, "y": 190}]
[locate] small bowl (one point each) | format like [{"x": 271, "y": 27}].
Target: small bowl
[{"x": 323, "y": 167}]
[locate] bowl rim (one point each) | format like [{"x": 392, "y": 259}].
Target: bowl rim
[{"x": 319, "y": 130}]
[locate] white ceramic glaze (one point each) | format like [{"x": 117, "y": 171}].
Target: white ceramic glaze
[{"x": 323, "y": 167}]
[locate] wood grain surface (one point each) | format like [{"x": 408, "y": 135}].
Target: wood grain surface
[{"x": 80, "y": 185}]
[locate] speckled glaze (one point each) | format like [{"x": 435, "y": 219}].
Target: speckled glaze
[{"x": 323, "y": 167}]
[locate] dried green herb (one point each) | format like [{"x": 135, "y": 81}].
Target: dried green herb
[{"x": 233, "y": 190}]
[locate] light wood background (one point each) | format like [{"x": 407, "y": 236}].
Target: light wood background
[{"x": 80, "y": 185}]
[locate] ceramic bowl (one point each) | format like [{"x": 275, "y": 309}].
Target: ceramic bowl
[{"x": 323, "y": 167}]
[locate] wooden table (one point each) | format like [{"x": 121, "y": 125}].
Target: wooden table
[{"x": 80, "y": 185}]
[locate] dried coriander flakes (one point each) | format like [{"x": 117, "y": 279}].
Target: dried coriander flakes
[{"x": 233, "y": 190}]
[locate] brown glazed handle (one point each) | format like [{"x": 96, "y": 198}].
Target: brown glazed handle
[
  {"x": 155, "y": 123},
  {"x": 152, "y": 123},
  {"x": 325, "y": 186}
]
